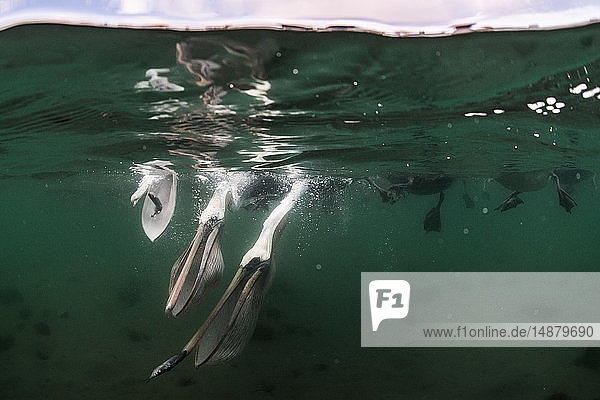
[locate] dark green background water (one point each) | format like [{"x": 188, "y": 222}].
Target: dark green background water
[{"x": 82, "y": 290}]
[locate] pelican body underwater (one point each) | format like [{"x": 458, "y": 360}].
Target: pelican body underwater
[
  {"x": 531, "y": 181},
  {"x": 200, "y": 267},
  {"x": 419, "y": 185},
  {"x": 231, "y": 323}
]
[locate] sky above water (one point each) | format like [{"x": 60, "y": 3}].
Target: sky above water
[{"x": 388, "y": 16}]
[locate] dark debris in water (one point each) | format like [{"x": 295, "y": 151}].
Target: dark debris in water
[{"x": 42, "y": 328}]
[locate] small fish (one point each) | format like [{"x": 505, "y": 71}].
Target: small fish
[{"x": 157, "y": 204}]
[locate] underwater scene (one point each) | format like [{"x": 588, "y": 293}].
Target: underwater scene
[{"x": 173, "y": 200}]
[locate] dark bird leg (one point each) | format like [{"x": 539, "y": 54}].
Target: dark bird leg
[
  {"x": 433, "y": 220},
  {"x": 564, "y": 199},
  {"x": 510, "y": 202}
]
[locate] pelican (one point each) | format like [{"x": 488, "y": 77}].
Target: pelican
[
  {"x": 419, "y": 185},
  {"x": 159, "y": 186},
  {"x": 535, "y": 180},
  {"x": 231, "y": 323},
  {"x": 200, "y": 267}
]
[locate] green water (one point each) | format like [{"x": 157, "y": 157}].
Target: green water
[{"x": 82, "y": 290}]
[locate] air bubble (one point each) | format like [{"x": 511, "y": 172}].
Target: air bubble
[{"x": 318, "y": 267}]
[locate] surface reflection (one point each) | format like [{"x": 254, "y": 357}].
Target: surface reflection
[{"x": 220, "y": 67}]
